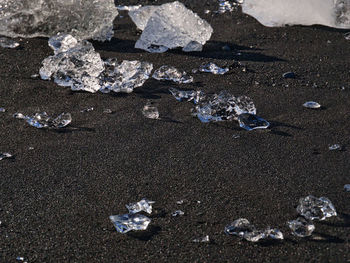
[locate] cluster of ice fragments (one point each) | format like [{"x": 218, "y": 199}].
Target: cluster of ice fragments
[
  {"x": 133, "y": 220},
  {"x": 82, "y": 19},
  {"x": 76, "y": 64},
  {"x": 43, "y": 120},
  {"x": 170, "y": 26},
  {"x": 272, "y": 13}
]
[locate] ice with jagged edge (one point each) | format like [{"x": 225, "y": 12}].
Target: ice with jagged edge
[
  {"x": 8, "y": 43},
  {"x": 127, "y": 222},
  {"x": 141, "y": 15},
  {"x": 42, "y": 120},
  {"x": 275, "y": 13},
  {"x": 171, "y": 73},
  {"x": 313, "y": 208},
  {"x": 213, "y": 68},
  {"x": 170, "y": 26},
  {"x": 143, "y": 205},
  {"x": 88, "y": 19},
  {"x": 301, "y": 227}
]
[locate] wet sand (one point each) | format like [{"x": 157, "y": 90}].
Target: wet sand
[{"x": 56, "y": 198}]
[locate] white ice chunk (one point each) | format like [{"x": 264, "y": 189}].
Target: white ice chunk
[{"x": 141, "y": 15}]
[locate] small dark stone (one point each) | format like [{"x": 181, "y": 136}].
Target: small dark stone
[{"x": 288, "y": 75}]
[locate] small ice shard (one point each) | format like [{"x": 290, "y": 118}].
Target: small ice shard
[
  {"x": 20, "y": 258},
  {"x": 301, "y": 227},
  {"x": 213, "y": 68},
  {"x": 171, "y": 73},
  {"x": 87, "y": 109},
  {"x": 5, "y": 155},
  {"x": 313, "y": 208},
  {"x": 82, "y": 19},
  {"x": 19, "y": 115},
  {"x": 172, "y": 25},
  {"x": 124, "y": 77},
  {"x": 150, "y": 112},
  {"x": 252, "y": 122},
  {"x": 288, "y": 75},
  {"x": 42, "y": 120},
  {"x": 107, "y": 111},
  {"x": 242, "y": 228},
  {"x": 127, "y": 222},
  {"x": 335, "y": 147},
  {"x": 128, "y": 7},
  {"x": 78, "y": 67},
  {"x": 347, "y": 187},
  {"x": 312, "y": 105},
  {"x": 178, "y": 213},
  {"x": 7, "y": 42},
  {"x": 201, "y": 239},
  {"x": 274, "y": 233},
  {"x": 225, "y": 6},
  {"x": 183, "y": 94},
  {"x": 30, "y": 148},
  {"x": 347, "y": 36},
  {"x": 2, "y": 110},
  {"x": 35, "y": 76},
  {"x": 141, "y": 15},
  {"x": 275, "y": 13},
  {"x": 193, "y": 46},
  {"x": 180, "y": 202},
  {"x": 143, "y": 205}
]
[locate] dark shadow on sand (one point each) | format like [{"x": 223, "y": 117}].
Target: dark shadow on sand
[{"x": 145, "y": 235}]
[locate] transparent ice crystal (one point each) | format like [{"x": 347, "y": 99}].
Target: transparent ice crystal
[
  {"x": 204, "y": 239},
  {"x": 171, "y": 73},
  {"x": 172, "y": 25},
  {"x": 82, "y": 19},
  {"x": 43, "y": 120},
  {"x": 250, "y": 122},
  {"x": 178, "y": 213},
  {"x": 143, "y": 205},
  {"x": 189, "y": 95},
  {"x": 5, "y": 155},
  {"x": 127, "y": 222},
  {"x": 347, "y": 187},
  {"x": 7, "y": 42},
  {"x": 312, "y": 105},
  {"x": 150, "y": 112},
  {"x": 128, "y": 7},
  {"x": 335, "y": 147},
  {"x": 301, "y": 227},
  {"x": 332, "y": 13},
  {"x": 2, "y": 109},
  {"x": 193, "y": 46},
  {"x": 213, "y": 68},
  {"x": 313, "y": 208},
  {"x": 141, "y": 15}
]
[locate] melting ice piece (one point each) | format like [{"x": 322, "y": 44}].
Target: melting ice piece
[
  {"x": 312, "y": 105},
  {"x": 301, "y": 227},
  {"x": 5, "y": 155},
  {"x": 150, "y": 112},
  {"x": 183, "y": 94},
  {"x": 201, "y": 239},
  {"x": 127, "y": 222},
  {"x": 77, "y": 66},
  {"x": 335, "y": 147},
  {"x": 274, "y": 233},
  {"x": 107, "y": 111},
  {"x": 347, "y": 187},
  {"x": 7, "y": 42},
  {"x": 42, "y": 120},
  {"x": 2, "y": 110},
  {"x": 20, "y": 258},
  {"x": 124, "y": 77},
  {"x": 347, "y": 36},
  {"x": 141, "y": 15},
  {"x": 178, "y": 213},
  {"x": 225, "y": 6},
  {"x": 252, "y": 122},
  {"x": 242, "y": 228},
  {"x": 313, "y": 208},
  {"x": 272, "y": 13},
  {"x": 213, "y": 68},
  {"x": 143, "y": 205},
  {"x": 87, "y": 109},
  {"x": 33, "y": 18},
  {"x": 19, "y": 115},
  {"x": 171, "y": 73},
  {"x": 128, "y": 7},
  {"x": 172, "y": 25},
  {"x": 193, "y": 46}
]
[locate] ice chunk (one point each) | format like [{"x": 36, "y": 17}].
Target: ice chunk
[
  {"x": 78, "y": 67},
  {"x": 274, "y": 233},
  {"x": 20, "y": 258},
  {"x": 225, "y": 6},
  {"x": 107, "y": 111},
  {"x": 213, "y": 68},
  {"x": 5, "y": 155},
  {"x": 19, "y": 115},
  {"x": 150, "y": 112},
  {"x": 335, "y": 147},
  {"x": 272, "y": 13},
  {"x": 313, "y": 208},
  {"x": 2, "y": 109},
  {"x": 128, "y": 7},
  {"x": 42, "y": 120},
  {"x": 87, "y": 109},
  {"x": 301, "y": 227},
  {"x": 183, "y": 94},
  {"x": 82, "y": 19},
  {"x": 127, "y": 222},
  {"x": 173, "y": 74},
  {"x": 252, "y": 122},
  {"x": 172, "y": 25},
  {"x": 193, "y": 46},
  {"x": 347, "y": 187},
  {"x": 124, "y": 77},
  {"x": 201, "y": 239},
  {"x": 7, "y": 42},
  {"x": 242, "y": 228},
  {"x": 312, "y": 105},
  {"x": 143, "y": 205},
  {"x": 141, "y": 15},
  {"x": 178, "y": 213},
  {"x": 347, "y": 36}
]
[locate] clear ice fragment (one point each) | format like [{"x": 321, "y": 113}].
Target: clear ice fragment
[
  {"x": 172, "y": 25},
  {"x": 127, "y": 222},
  {"x": 347, "y": 36},
  {"x": 107, "y": 111},
  {"x": 301, "y": 227},
  {"x": 87, "y": 109},
  {"x": 150, "y": 112},
  {"x": 82, "y": 19},
  {"x": 19, "y": 115},
  {"x": 34, "y": 76},
  {"x": 193, "y": 46},
  {"x": 274, "y": 233},
  {"x": 43, "y": 120},
  {"x": 276, "y": 13},
  {"x": 128, "y": 7},
  {"x": 180, "y": 202},
  {"x": 143, "y": 205},
  {"x": 5, "y": 155},
  {"x": 178, "y": 213},
  {"x": 347, "y": 187},
  {"x": 201, "y": 239},
  {"x": 7, "y": 42},
  {"x": 171, "y": 73},
  {"x": 2, "y": 109},
  {"x": 183, "y": 94},
  {"x": 225, "y": 6},
  {"x": 20, "y": 258},
  {"x": 312, "y": 105},
  {"x": 141, "y": 15},
  {"x": 335, "y": 147},
  {"x": 313, "y": 208},
  {"x": 213, "y": 68},
  {"x": 250, "y": 122}
]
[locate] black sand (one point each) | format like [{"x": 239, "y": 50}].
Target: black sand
[{"x": 56, "y": 199}]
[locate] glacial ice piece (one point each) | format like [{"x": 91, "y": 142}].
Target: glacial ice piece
[
  {"x": 228, "y": 6},
  {"x": 347, "y": 187},
  {"x": 7, "y": 42},
  {"x": 124, "y": 77},
  {"x": 171, "y": 73},
  {"x": 252, "y": 122},
  {"x": 213, "y": 68},
  {"x": 172, "y": 25},
  {"x": 347, "y": 36},
  {"x": 301, "y": 227},
  {"x": 82, "y": 19},
  {"x": 19, "y": 115},
  {"x": 178, "y": 213},
  {"x": 312, "y": 105},
  {"x": 87, "y": 109},
  {"x": 143, "y": 205},
  {"x": 275, "y": 13},
  {"x": 5, "y": 155},
  {"x": 77, "y": 66},
  {"x": 274, "y": 233},
  {"x": 335, "y": 147},
  {"x": 141, "y": 15},
  {"x": 20, "y": 258},
  {"x": 127, "y": 222},
  {"x": 128, "y": 7},
  {"x": 313, "y": 208},
  {"x": 183, "y": 94},
  {"x": 2, "y": 109},
  {"x": 201, "y": 239},
  {"x": 193, "y": 46},
  {"x": 150, "y": 112},
  {"x": 42, "y": 120}
]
